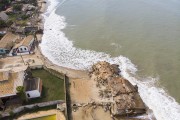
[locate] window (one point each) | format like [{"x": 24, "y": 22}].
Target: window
[
  {"x": 2, "y": 50},
  {"x": 28, "y": 95},
  {"x": 21, "y": 49},
  {"x": 25, "y": 49}
]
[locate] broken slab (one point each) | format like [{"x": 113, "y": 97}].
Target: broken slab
[{"x": 126, "y": 99}]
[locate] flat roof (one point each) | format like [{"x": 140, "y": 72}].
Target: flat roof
[
  {"x": 31, "y": 84},
  {"x": 27, "y": 40}
]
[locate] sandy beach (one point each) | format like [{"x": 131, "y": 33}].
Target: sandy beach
[
  {"x": 73, "y": 37},
  {"x": 82, "y": 90}
]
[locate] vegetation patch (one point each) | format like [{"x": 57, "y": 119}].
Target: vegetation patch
[{"x": 53, "y": 87}]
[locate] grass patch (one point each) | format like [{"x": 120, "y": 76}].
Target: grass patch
[
  {"x": 53, "y": 87},
  {"x": 19, "y": 19}
]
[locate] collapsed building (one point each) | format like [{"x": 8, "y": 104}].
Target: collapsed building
[{"x": 124, "y": 97}]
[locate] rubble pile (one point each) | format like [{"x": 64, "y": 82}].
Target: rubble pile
[
  {"x": 125, "y": 96},
  {"x": 102, "y": 71}
]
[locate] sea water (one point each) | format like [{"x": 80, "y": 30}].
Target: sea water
[{"x": 142, "y": 36}]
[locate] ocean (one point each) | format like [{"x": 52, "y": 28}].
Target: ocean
[{"x": 142, "y": 36}]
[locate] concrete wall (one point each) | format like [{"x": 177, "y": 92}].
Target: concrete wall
[
  {"x": 31, "y": 107},
  {"x": 54, "y": 72},
  {"x": 25, "y": 53},
  {"x": 68, "y": 111},
  {"x": 36, "y": 67}
]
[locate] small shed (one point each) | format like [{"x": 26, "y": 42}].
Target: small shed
[{"x": 33, "y": 87}]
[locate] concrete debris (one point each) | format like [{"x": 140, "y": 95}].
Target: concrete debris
[{"x": 125, "y": 96}]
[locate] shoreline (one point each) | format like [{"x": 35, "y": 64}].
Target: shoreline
[
  {"x": 71, "y": 73},
  {"x": 40, "y": 60}
]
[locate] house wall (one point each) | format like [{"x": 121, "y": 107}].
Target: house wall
[
  {"x": 30, "y": 44},
  {"x": 3, "y": 51},
  {"x": 25, "y": 53},
  {"x": 23, "y": 49},
  {"x": 33, "y": 94}
]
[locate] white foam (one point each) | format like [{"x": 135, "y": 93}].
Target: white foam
[{"x": 60, "y": 50}]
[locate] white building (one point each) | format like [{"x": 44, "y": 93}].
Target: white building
[
  {"x": 33, "y": 87},
  {"x": 26, "y": 46}
]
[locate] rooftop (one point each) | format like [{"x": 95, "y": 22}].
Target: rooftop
[
  {"x": 7, "y": 41},
  {"x": 27, "y": 40},
  {"x": 4, "y": 75},
  {"x": 15, "y": 78},
  {"x": 31, "y": 84},
  {"x": 3, "y": 16}
]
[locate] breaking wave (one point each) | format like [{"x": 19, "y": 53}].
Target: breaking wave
[{"x": 60, "y": 50}]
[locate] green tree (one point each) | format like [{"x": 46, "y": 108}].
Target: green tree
[
  {"x": 2, "y": 23},
  {"x": 9, "y": 23},
  {"x": 24, "y": 17},
  {"x": 4, "y": 4},
  {"x": 21, "y": 93},
  {"x": 17, "y": 7}
]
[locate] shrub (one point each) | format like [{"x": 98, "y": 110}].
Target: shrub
[
  {"x": 23, "y": 17},
  {"x": 11, "y": 113},
  {"x": 9, "y": 23},
  {"x": 2, "y": 23},
  {"x": 21, "y": 93},
  {"x": 17, "y": 7}
]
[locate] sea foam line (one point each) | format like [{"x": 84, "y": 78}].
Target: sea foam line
[{"x": 60, "y": 50}]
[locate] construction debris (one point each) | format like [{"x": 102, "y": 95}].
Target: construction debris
[{"x": 125, "y": 96}]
